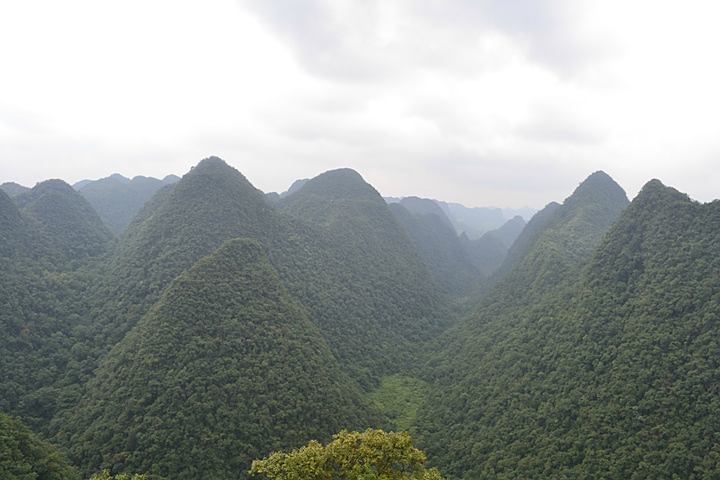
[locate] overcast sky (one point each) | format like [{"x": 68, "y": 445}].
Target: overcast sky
[{"x": 486, "y": 102}]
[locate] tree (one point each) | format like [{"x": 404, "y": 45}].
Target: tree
[
  {"x": 105, "y": 475},
  {"x": 369, "y": 455}
]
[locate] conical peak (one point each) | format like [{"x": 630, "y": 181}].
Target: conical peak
[
  {"x": 655, "y": 191},
  {"x": 339, "y": 183},
  {"x": 53, "y": 185},
  {"x": 211, "y": 164},
  {"x": 598, "y": 187},
  {"x": 220, "y": 172}
]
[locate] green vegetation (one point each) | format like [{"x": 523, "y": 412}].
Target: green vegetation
[
  {"x": 117, "y": 199},
  {"x": 368, "y": 455},
  {"x": 399, "y": 397},
  {"x": 105, "y": 475},
  {"x": 224, "y": 368},
  {"x": 23, "y": 456},
  {"x": 609, "y": 374},
  {"x": 222, "y": 326}
]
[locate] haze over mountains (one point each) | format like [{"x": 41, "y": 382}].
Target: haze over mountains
[{"x": 183, "y": 327}]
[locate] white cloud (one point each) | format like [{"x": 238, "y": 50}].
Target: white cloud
[{"x": 479, "y": 101}]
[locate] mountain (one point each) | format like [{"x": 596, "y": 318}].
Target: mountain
[
  {"x": 508, "y": 232},
  {"x": 64, "y": 221},
  {"x": 13, "y": 189},
  {"x": 473, "y": 221},
  {"x": 488, "y": 252},
  {"x": 371, "y": 294},
  {"x": 226, "y": 367},
  {"x": 25, "y": 456},
  {"x": 296, "y": 185},
  {"x": 11, "y": 225},
  {"x": 424, "y": 206},
  {"x": 47, "y": 247},
  {"x": 592, "y": 376},
  {"x": 441, "y": 250},
  {"x": 118, "y": 199}
]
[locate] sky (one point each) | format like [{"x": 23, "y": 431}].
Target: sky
[{"x": 483, "y": 102}]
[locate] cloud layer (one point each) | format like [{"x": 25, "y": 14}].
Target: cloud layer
[{"x": 486, "y": 102}]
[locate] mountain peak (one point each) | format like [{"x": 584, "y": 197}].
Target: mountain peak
[
  {"x": 339, "y": 183},
  {"x": 600, "y": 188},
  {"x": 212, "y": 163}
]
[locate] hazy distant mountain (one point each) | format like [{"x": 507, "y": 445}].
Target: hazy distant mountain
[
  {"x": 118, "y": 199},
  {"x": 296, "y": 185},
  {"x": 440, "y": 248},
  {"x": 508, "y": 232},
  {"x": 13, "y": 189},
  {"x": 473, "y": 221}
]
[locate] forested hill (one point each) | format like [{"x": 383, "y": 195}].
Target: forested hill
[
  {"x": 226, "y": 367},
  {"x": 63, "y": 222},
  {"x": 24, "y": 456},
  {"x": 442, "y": 251},
  {"x": 562, "y": 238},
  {"x": 118, "y": 199},
  {"x": 372, "y": 296},
  {"x": 612, "y": 375}
]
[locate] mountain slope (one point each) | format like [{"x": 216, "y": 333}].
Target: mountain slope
[
  {"x": 118, "y": 199},
  {"x": 13, "y": 189},
  {"x": 487, "y": 358},
  {"x": 64, "y": 221},
  {"x": 509, "y": 231},
  {"x": 440, "y": 248},
  {"x": 379, "y": 302},
  {"x": 24, "y": 456},
  {"x": 225, "y": 368}
]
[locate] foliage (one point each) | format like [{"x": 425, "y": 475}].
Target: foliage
[
  {"x": 610, "y": 374},
  {"x": 444, "y": 253},
  {"x": 368, "y": 455},
  {"x": 225, "y": 367},
  {"x": 105, "y": 475},
  {"x": 117, "y": 199},
  {"x": 23, "y": 456},
  {"x": 399, "y": 397}
]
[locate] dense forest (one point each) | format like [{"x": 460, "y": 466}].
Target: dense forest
[{"x": 182, "y": 328}]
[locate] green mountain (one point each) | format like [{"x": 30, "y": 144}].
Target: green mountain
[
  {"x": 508, "y": 232},
  {"x": 226, "y": 367},
  {"x": 24, "y": 456},
  {"x": 424, "y": 206},
  {"x": 370, "y": 294},
  {"x": 45, "y": 247},
  {"x": 118, "y": 199},
  {"x": 612, "y": 375},
  {"x": 13, "y": 189},
  {"x": 441, "y": 250},
  {"x": 63, "y": 221}
]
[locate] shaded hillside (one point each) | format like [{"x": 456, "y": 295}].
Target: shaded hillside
[
  {"x": 441, "y": 250},
  {"x": 45, "y": 248},
  {"x": 508, "y": 231},
  {"x": 118, "y": 199},
  {"x": 225, "y": 368},
  {"x": 381, "y": 301},
  {"x": 23, "y": 456},
  {"x": 63, "y": 221},
  {"x": 473, "y": 221},
  {"x": 614, "y": 376},
  {"x": 13, "y": 189}
]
